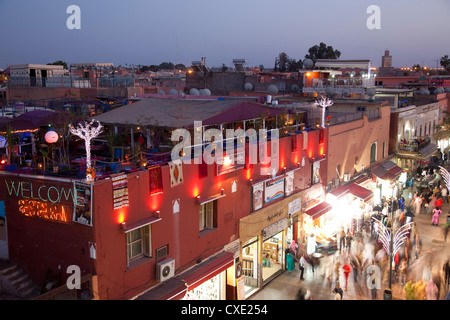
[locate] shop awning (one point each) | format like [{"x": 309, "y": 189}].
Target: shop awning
[
  {"x": 318, "y": 210},
  {"x": 361, "y": 192},
  {"x": 207, "y": 269},
  {"x": 428, "y": 151},
  {"x": 127, "y": 227},
  {"x": 172, "y": 289},
  {"x": 387, "y": 170}
]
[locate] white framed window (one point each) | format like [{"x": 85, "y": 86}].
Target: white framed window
[
  {"x": 207, "y": 216},
  {"x": 138, "y": 243}
]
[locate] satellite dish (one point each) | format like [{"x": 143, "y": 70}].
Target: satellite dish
[
  {"x": 194, "y": 92},
  {"x": 439, "y": 90},
  {"x": 161, "y": 92},
  {"x": 424, "y": 91},
  {"x": 308, "y": 63},
  {"x": 293, "y": 76},
  {"x": 273, "y": 89},
  {"x": 371, "y": 92},
  {"x": 295, "y": 88},
  {"x": 204, "y": 92},
  {"x": 447, "y": 89},
  {"x": 248, "y": 86},
  {"x": 173, "y": 91}
]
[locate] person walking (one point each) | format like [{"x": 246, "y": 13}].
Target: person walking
[
  {"x": 444, "y": 194},
  {"x": 418, "y": 204},
  {"x": 338, "y": 293},
  {"x": 403, "y": 267},
  {"x": 347, "y": 269},
  {"x": 446, "y": 269},
  {"x": 436, "y": 213},
  {"x": 290, "y": 261},
  {"x": 342, "y": 239},
  {"x": 301, "y": 266}
]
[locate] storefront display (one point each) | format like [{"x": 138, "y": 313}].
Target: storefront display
[
  {"x": 273, "y": 256},
  {"x": 209, "y": 290},
  {"x": 250, "y": 265}
]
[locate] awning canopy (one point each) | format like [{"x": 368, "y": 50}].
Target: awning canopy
[
  {"x": 208, "y": 269},
  {"x": 176, "y": 113},
  {"x": 354, "y": 189},
  {"x": 318, "y": 210},
  {"x": 172, "y": 289},
  {"x": 176, "y": 287},
  {"x": 387, "y": 170},
  {"x": 428, "y": 151},
  {"x": 127, "y": 227}
]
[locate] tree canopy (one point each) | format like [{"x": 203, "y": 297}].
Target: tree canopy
[
  {"x": 59, "y": 63},
  {"x": 285, "y": 64},
  {"x": 322, "y": 51}
]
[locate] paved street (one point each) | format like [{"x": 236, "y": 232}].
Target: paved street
[{"x": 432, "y": 257}]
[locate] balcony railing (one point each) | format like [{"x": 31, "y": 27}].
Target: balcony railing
[
  {"x": 414, "y": 145},
  {"x": 72, "y": 82}
]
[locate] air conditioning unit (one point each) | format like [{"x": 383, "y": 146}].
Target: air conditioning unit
[
  {"x": 165, "y": 269},
  {"x": 346, "y": 177}
]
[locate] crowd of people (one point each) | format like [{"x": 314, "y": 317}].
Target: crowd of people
[{"x": 357, "y": 252}]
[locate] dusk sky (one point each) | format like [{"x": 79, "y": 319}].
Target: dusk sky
[{"x": 181, "y": 31}]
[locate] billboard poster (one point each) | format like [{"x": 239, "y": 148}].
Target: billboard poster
[
  {"x": 289, "y": 183},
  {"x": 258, "y": 190},
  {"x": 274, "y": 189},
  {"x": 82, "y": 212}
]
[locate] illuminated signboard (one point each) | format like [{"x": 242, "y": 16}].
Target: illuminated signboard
[
  {"x": 43, "y": 210},
  {"x": 56, "y": 202}
]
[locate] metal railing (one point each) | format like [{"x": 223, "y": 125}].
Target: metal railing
[{"x": 64, "y": 81}]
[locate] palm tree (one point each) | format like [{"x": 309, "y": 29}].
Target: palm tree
[{"x": 445, "y": 62}]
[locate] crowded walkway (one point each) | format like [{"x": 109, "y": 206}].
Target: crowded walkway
[{"x": 420, "y": 269}]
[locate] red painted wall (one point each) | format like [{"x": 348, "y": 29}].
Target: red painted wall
[{"x": 40, "y": 245}]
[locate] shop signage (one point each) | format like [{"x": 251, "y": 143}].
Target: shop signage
[
  {"x": 258, "y": 190},
  {"x": 82, "y": 213},
  {"x": 275, "y": 228},
  {"x": 289, "y": 183},
  {"x": 274, "y": 189},
  {"x": 294, "y": 206},
  {"x": 41, "y": 192},
  {"x": 43, "y": 210}
]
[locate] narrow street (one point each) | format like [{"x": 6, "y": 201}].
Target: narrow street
[{"x": 432, "y": 257}]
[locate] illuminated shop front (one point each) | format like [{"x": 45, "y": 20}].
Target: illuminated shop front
[
  {"x": 264, "y": 235},
  {"x": 345, "y": 207}
]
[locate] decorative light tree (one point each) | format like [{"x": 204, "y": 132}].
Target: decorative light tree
[
  {"x": 392, "y": 240},
  {"x": 324, "y": 103},
  {"x": 87, "y": 131}
]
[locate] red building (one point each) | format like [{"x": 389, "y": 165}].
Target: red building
[{"x": 172, "y": 230}]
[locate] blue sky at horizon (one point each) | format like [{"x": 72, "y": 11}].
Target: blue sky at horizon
[{"x": 181, "y": 31}]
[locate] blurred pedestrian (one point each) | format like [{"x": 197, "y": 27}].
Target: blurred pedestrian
[
  {"x": 436, "y": 213},
  {"x": 341, "y": 239},
  {"x": 402, "y": 269},
  {"x": 432, "y": 290},
  {"x": 348, "y": 241},
  {"x": 446, "y": 229},
  {"x": 338, "y": 293},
  {"x": 446, "y": 269},
  {"x": 347, "y": 269},
  {"x": 444, "y": 194},
  {"x": 294, "y": 246},
  {"x": 418, "y": 204},
  {"x": 301, "y": 266},
  {"x": 290, "y": 261}
]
